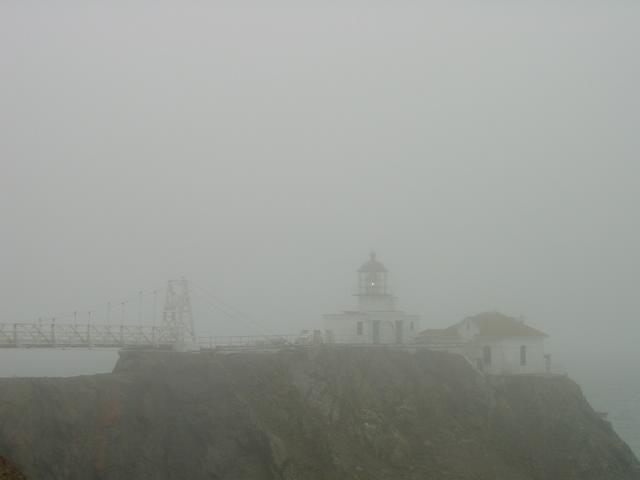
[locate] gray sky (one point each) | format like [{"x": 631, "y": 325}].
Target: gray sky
[{"x": 488, "y": 151}]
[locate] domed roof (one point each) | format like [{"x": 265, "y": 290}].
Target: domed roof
[{"x": 372, "y": 266}]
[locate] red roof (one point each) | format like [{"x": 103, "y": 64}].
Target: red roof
[
  {"x": 494, "y": 324},
  {"x": 440, "y": 332},
  {"x": 489, "y": 324}
]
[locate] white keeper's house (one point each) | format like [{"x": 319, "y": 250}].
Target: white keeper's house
[
  {"x": 377, "y": 319},
  {"x": 495, "y": 343}
]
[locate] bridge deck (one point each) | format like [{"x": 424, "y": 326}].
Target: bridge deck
[{"x": 60, "y": 335}]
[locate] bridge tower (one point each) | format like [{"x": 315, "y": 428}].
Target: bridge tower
[{"x": 177, "y": 317}]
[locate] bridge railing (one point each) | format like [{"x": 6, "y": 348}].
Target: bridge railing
[
  {"x": 77, "y": 335},
  {"x": 68, "y": 335}
]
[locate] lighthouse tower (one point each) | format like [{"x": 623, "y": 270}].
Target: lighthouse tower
[{"x": 376, "y": 320}]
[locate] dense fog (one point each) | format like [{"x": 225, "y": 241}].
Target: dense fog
[{"x": 487, "y": 151}]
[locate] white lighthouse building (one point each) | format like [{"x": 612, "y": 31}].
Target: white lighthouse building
[{"x": 376, "y": 321}]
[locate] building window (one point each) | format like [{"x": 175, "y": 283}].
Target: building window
[
  {"x": 523, "y": 355},
  {"x": 486, "y": 355},
  {"x": 359, "y": 328}
]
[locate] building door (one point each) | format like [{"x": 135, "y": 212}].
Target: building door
[
  {"x": 399, "y": 331},
  {"x": 547, "y": 363},
  {"x": 486, "y": 355},
  {"x": 376, "y": 332}
]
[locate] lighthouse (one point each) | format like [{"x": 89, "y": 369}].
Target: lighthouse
[{"x": 376, "y": 319}]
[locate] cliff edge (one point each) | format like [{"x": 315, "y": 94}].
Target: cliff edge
[{"x": 326, "y": 413}]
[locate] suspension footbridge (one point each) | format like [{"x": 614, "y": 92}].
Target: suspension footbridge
[{"x": 174, "y": 329}]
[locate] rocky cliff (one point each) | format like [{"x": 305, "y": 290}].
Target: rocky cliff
[{"x": 328, "y": 413}]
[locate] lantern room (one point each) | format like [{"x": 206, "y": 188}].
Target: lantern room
[
  {"x": 372, "y": 277},
  {"x": 373, "y": 286}
]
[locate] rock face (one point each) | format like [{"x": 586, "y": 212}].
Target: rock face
[{"x": 328, "y": 413}]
